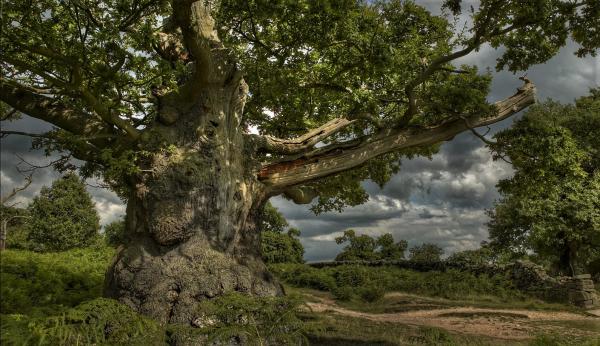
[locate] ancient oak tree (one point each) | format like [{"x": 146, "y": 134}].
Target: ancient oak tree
[{"x": 158, "y": 98}]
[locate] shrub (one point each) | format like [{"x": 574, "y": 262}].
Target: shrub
[
  {"x": 254, "y": 321},
  {"x": 350, "y": 275},
  {"x": 371, "y": 294},
  {"x": 52, "y": 281},
  {"x": 451, "y": 284},
  {"x": 279, "y": 243},
  {"x": 343, "y": 293},
  {"x": 302, "y": 275},
  {"x": 16, "y": 230},
  {"x": 97, "y": 322}
]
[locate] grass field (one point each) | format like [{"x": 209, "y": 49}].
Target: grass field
[{"x": 55, "y": 299}]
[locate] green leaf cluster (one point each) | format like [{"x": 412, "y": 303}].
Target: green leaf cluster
[{"x": 16, "y": 226}]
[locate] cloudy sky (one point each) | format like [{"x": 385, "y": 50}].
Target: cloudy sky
[{"x": 442, "y": 201}]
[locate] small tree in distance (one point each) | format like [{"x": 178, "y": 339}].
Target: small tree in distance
[
  {"x": 114, "y": 233},
  {"x": 63, "y": 216},
  {"x": 389, "y": 250},
  {"x": 425, "y": 252},
  {"x": 551, "y": 206},
  {"x": 279, "y": 243},
  {"x": 366, "y": 248}
]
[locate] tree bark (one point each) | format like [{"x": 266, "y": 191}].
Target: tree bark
[{"x": 192, "y": 216}]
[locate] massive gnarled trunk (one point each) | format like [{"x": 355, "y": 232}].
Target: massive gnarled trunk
[{"x": 193, "y": 214}]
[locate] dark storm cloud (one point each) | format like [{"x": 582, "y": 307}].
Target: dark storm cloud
[
  {"x": 442, "y": 200},
  {"x": 16, "y": 152}
]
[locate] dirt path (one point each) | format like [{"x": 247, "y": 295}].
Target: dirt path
[{"x": 512, "y": 324}]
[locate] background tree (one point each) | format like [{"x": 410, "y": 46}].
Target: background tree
[
  {"x": 360, "y": 247},
  {"x": 390, "y": 250},
  {"x": 114, "y": 233},
  {"x": 366, "y": 248},
  {"x": 279, "y": 242},
  {"x": 552, "y": 203},
  {"x": 484, "y": 255},
  {"x": 156, "y": 97},
  {"x": 62, "y": 216},
  {"x": 425, "y": 252}
]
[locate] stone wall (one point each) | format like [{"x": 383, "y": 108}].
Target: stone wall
[
  {"x": 582, "y": 292},
  {"x": 577, "y": 290}
]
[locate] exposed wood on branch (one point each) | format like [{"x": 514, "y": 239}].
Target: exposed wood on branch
[
  {"x": 278, "y": 176},
  {"x": 304, "y": 142}
]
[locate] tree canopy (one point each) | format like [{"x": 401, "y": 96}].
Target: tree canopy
[
  {"x": 62, "y": 217},
  {"x": 114, "y": 233},
  {"x": 279, "y": 242},
  {"x": 425, "y": 252},
  {"x": 366, "y": 248},
  {"x": 552, "y": 203},
  {"x": 372, "y": 80}
]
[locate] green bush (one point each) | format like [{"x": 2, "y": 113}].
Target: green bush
[
  {"x": 302, "y": 275},
  {"x": 451, "y": 284},
  {"x": 371, "y": 293},
  {"x": 359, "y": 275},
  {"x": 425, "y": 252},
  {"x": 50, "y": 282},
  {"x": 350, "y": 275},
  {"x": 254, "y": 321},
  {"x": 16, "y": 229},
  {"x": 343, "y": 293},
  {"x": 97, "y": 322}
]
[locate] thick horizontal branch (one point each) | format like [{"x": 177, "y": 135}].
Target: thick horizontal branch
[
  {"x": 80, "y": 147},
  {"x": 21, "y": 133},
  {"x": 50, "y": 110},
  {"x": 279, "y": 176},
  {"x": 304, "y": 142}
]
